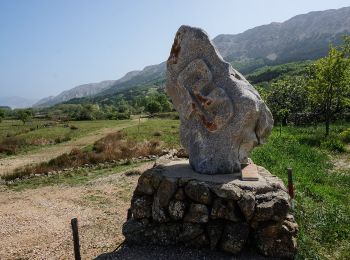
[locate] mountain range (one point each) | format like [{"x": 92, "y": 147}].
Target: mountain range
[
  {"x": 17, "y": 102},
  {"x": 303, "y": 37}
]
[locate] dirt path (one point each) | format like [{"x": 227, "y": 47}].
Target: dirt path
[
  {"x": 8, "y": 164},
  {"x": 35, "y": 223}
]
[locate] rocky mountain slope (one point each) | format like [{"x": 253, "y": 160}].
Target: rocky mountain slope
[
  {"x": 131, "y": 79},
  {"x": 303, "y": 37},
  {"x": 77, "y": 92}
]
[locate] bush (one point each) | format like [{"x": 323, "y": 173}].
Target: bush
[
  {"x": 62, "y": 139},
  {"x": 334, "y": 145},
  {"x": 122, "y": 116},
  {"x": 10, "y": 145},
  {"x": 345, "y": 136}
]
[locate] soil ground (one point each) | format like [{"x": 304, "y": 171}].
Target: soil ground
[{"x": 35, "y": 223}]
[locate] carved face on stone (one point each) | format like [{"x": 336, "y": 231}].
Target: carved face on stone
[{"x": 222, "y": 116}]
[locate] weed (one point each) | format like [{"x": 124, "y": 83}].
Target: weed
[{"x": 62, "y": 139}]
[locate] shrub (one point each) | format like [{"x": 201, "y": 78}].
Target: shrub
[
  {"x": 345, "y": 136},
  {"x": 334, "y": 145},
  {"x": 62, "y": 139},
  {"x": 122, "y": 116},
  {"x": 10, "y": 145}
]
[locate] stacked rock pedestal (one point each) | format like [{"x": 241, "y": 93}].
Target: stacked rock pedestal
[{"x": 172, "y": 204}]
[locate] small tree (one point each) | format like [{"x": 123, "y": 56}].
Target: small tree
[
  {"x": 24, "y": 115},
  {"x": 287, "y": 97},
  {"x": 329, "y": 83},
  {"x": 153, "y": 106}
]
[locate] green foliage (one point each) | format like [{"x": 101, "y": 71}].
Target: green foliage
[
  {"x": 273, "y": 73},
  {"x": 345, "y": 136},
  {"x": 329, "y": 83},
  {"x": 287, "y": 97},
  {"x": 24, "y": 115},
  {"x": 149, "y": 98},
  {"x": 334, "y": 145},
  {"x": 153, "y": 106}
]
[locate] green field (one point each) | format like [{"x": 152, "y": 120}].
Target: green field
[{"x": 165, "y": 130}]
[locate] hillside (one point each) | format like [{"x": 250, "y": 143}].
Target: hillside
[
  {"x": 16, "y": 102},
  {"x": 77, "y": 92},
  {"x": 303, "y": 37},
  {"x": 260, "y": 76}
]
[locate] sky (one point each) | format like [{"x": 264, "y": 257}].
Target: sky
[{"x": 54, "y": 45}]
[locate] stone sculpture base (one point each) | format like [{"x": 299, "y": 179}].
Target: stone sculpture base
[{"x": 172, "y": 204}]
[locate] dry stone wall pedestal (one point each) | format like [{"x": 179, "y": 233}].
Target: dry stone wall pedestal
[{"x": 172, "y": 204}]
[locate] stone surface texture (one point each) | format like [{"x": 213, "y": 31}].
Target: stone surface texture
[
  {"x": 219, "y": 212},
  {"x": 222, "y": 116}
]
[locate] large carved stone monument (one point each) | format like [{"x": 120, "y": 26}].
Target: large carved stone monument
[
  {"x": 222, "y": 116},
  {"x": 203, "y": 202}
]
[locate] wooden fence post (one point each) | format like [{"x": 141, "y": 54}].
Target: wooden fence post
[
  {"x": 290, "y": 183},
  {"x": 74, "y": 223}
]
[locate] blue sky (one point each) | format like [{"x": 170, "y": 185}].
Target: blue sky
[{"x": 50, "y": 46}]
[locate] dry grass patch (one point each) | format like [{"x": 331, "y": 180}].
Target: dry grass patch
[{"x": 113, "y": 147}]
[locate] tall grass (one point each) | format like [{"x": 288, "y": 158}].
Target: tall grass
[{"x": 322, "y": 198}]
